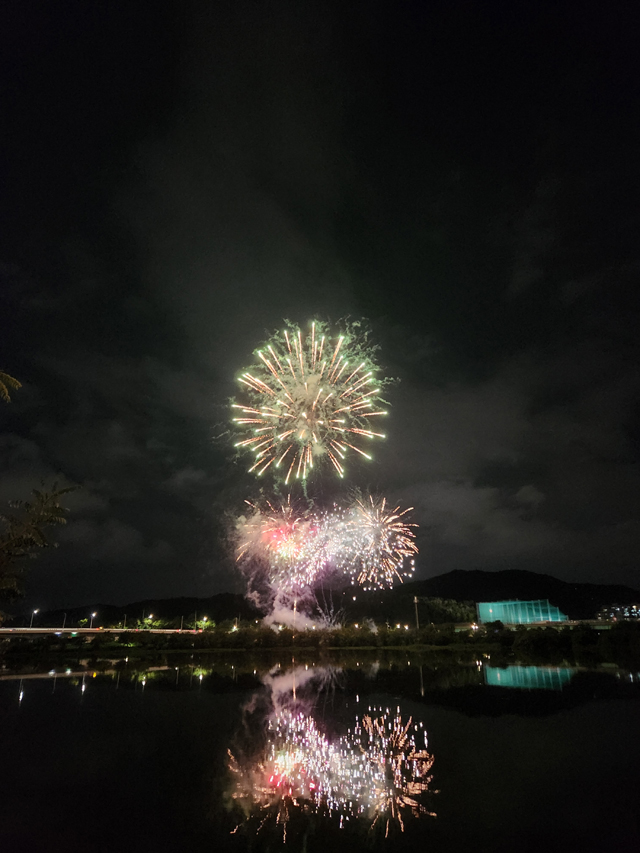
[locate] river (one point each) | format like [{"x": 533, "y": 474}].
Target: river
[{"x": 356, "y": 751}]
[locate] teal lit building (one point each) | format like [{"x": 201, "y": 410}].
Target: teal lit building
[
  {"x": 528, "y": 677},
  {"x": 519, "y": 612}
]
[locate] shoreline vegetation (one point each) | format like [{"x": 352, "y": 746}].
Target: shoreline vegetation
[
  {"x": 471, "y": 682},
  {"x": 619, "y": 643}
]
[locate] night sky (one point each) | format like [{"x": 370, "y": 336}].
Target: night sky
[{"x": 179, "y": 177}]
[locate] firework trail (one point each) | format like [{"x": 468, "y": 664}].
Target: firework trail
[{"x": 310, "y": 397}]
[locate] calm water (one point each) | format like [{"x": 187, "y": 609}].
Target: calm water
[{"x": 239, "y": 753}]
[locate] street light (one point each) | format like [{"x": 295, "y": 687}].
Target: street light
[
  {"x": 93, "y": 616},
  {"x": 32, "y": 615}
]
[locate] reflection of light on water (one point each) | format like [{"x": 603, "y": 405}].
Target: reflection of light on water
[
  {"x": 528, "y": 677},
  {"x": 379, "y": 770},
  {"x": 390, "y": 772},
  {"x": 295, "y": 771}
]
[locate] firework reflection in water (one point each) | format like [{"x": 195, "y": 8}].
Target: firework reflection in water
[
  {"x": 293, "y": 770},
  {"x": 294, "y": 773},
  {"x": 390, "y": 774},
  {"x": 376, "y": 771}
]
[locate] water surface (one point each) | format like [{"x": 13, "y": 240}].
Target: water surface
[{"x": 355, "y": 752}]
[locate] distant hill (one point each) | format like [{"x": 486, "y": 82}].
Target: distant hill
[{"x": 577, "y": 600}]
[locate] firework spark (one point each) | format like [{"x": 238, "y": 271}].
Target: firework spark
[
  {"x": 368, "y": 542},
  {"x": 391, "y": 773},
  {"x": 310, "y": 398},
  {"x": 375, "y": 544},
  {"x": 376, "y": 772},
  {"x": 285, "y": 540}
]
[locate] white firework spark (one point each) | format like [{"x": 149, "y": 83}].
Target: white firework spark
[
  {"x": 285, "y": 540},
  {"x": 310, "y": 398},
  {"x": 385, "y": 770},
  {"x": 374, "y": 544}
]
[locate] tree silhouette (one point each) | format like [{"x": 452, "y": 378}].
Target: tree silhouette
[
  {"x": 23, "y": 534},
  {"x": 8, "y": 384}
]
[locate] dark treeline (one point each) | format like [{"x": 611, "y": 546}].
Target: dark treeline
[
  {"x": 445, "y": 598},
  {"x": 184, "y": 612},
  {"x": 620, "y": 642}
]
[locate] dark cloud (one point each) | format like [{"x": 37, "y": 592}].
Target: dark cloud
[
  {"x": 534, "y": 466},
  {"x": 465, "y": 178}
]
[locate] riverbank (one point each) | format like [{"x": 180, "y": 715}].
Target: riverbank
[{"x": 581, "y": 642}]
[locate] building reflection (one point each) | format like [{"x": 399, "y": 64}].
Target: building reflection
[{"x": 528, "y": 677}]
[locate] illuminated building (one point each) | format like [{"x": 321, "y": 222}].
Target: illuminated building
[
  {"x": 519, "y": 612},
  {"x": 616, "y": 612}
]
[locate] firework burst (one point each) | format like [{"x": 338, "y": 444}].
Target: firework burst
[
  {"x": 375, "y": 544},
  {"x": 311, "y": 397},
  {"x": 368, "y": 542},
  {"x": 283, "y": 539}
]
